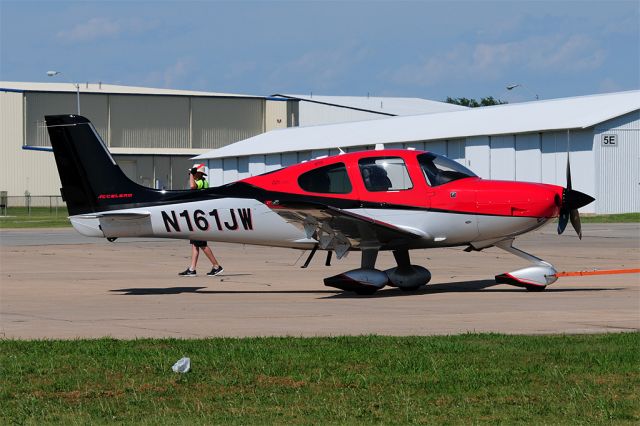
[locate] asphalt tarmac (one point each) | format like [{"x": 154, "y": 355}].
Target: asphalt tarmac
[{"x": 55, "y": 283}]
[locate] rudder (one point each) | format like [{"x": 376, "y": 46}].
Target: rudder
[{"x": 91, "y": 179}]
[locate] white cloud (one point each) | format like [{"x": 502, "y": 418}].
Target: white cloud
[
  {"x": 99, "y": 28},
  {"x": 491, "y": 61}
]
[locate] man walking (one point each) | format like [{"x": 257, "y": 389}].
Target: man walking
[{"x": 197, "y": 181}]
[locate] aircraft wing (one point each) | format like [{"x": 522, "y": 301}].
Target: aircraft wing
[{"x": 337, "y": 229}]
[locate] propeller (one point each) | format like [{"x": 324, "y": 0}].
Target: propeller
[{"x": 571, "y": 201}]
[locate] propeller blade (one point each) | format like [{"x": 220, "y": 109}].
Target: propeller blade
[
  {"x": 575, "y": 222},
  {"x": 568, "y": 173},
  {"x": 563, "y": 219}
]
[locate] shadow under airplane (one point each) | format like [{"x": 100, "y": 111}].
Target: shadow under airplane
[{"x": 453, "y": 287}]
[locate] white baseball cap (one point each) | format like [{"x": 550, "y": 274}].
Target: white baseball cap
[{"x": 199, "y": 168}]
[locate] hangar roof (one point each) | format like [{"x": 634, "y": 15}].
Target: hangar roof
[
  {"x": 545, "y": 115},
  {"x": 67, "y": 87},
  {"x": 381, "y": 105}
]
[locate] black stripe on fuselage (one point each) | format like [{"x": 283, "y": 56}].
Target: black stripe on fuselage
[{"x": 248, "y": 191}]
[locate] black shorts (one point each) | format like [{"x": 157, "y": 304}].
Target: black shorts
[{"x": 198, "y": 243}]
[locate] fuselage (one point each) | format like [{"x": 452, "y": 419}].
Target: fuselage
[{"x": 447, "y": 205}]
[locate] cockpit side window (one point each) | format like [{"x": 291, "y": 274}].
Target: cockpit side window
[
  {"x": 439, "y": 170},
  {"x": 384, "y": 174},
  {"x": 331, "y": 179}
]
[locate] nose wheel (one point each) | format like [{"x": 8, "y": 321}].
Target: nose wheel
[{"x": 534, "y": 278}]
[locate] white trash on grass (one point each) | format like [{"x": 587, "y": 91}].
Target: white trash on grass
[{"x": 182, "y": 366}]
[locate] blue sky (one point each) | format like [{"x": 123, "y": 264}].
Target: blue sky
[{"x": 429, "y": 49}]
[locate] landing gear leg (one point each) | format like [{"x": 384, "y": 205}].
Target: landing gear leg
[{"x": 534, "y": 278}]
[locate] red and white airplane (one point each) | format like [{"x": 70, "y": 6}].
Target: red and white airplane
[{"x": 367, "y": 201}]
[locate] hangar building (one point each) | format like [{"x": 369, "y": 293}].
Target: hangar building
[
  {"x": 153, "y": 133},
  {"x": 316, "y": 110},
  {"x": 524, "y": 141}
]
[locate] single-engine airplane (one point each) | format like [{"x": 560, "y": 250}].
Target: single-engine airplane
[{"x": 398, "y": 200}]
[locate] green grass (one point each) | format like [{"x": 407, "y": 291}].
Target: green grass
[
  {"x": 40, "y": 217},
  {"x": 611, "y": 218},
  {"x": 580, "y": 379}
]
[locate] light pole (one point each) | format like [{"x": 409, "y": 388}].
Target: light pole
[
  {"x": 513, "y": 86},
  {"x": 76, "y": 85}
]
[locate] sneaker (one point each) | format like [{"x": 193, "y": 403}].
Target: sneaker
[
  {"x": 188, "y": 273},
  {"x": 216, "y": 271}
]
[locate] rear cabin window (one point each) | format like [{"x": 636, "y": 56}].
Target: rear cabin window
[
  {"x": 384, "y": 174},
  {"x": 331, "y": 179}
]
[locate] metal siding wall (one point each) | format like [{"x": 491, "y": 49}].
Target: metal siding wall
[
  {"x": 274, "y": 111},
  {"x": 414, "y": 145},
  {"x": 11, "y": 138},
  {"x": 503, "y": 157},
  {"x": 293, "y": 113},
  {"x": 256, "y": 165},
  {"x": 162, "y": 172},
  {"x": 216, "y": 172},
  {"x": 630, "y": 121},
  {"x": 548, "y": 161},
  {"x": 456, "y": 150},
  {"x": 618, "y": 168},
  {"x": 312, "y": 114},
  {"x": 229, "y": 170},
  {"x": 138, "y": 168},
  {"x": 22, "y": 170},
  {"x": 272, "y": 162},
  {"x": 394, "y": 145},
  {"x": 304, "y": 156},
  {"x": 363, "y": 148},
  {"x": 478, "y": 156},
  {"x": 289, "y": 158},
  {"x": 319, "y": 153},
  {"x": 528, "y": 157},
  {"x": 179, "y": 167},
  {"x": 243, "y": 167},
  {"x": 437, "y": 147},
  {"x": 220, "y": 122},
  {"x": 92, "y": 106},
  {"x": 149, "y": 121}
]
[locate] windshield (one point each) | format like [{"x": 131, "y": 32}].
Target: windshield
[{"x": 439, "y": 170}]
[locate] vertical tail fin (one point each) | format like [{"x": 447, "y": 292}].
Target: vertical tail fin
[{"x": 91, "y": 179}]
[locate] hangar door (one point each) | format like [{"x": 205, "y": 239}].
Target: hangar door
[
  {"x": 92, "y": 106},
  {"x": 222, "y": 121},
  {"x": 146, "y": 121}
]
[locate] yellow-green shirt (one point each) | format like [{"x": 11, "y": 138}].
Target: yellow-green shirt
[{"x": 202, "y": 183}]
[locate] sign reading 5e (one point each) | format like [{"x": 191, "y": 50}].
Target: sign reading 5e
[{"x": 609, "y": 140}]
